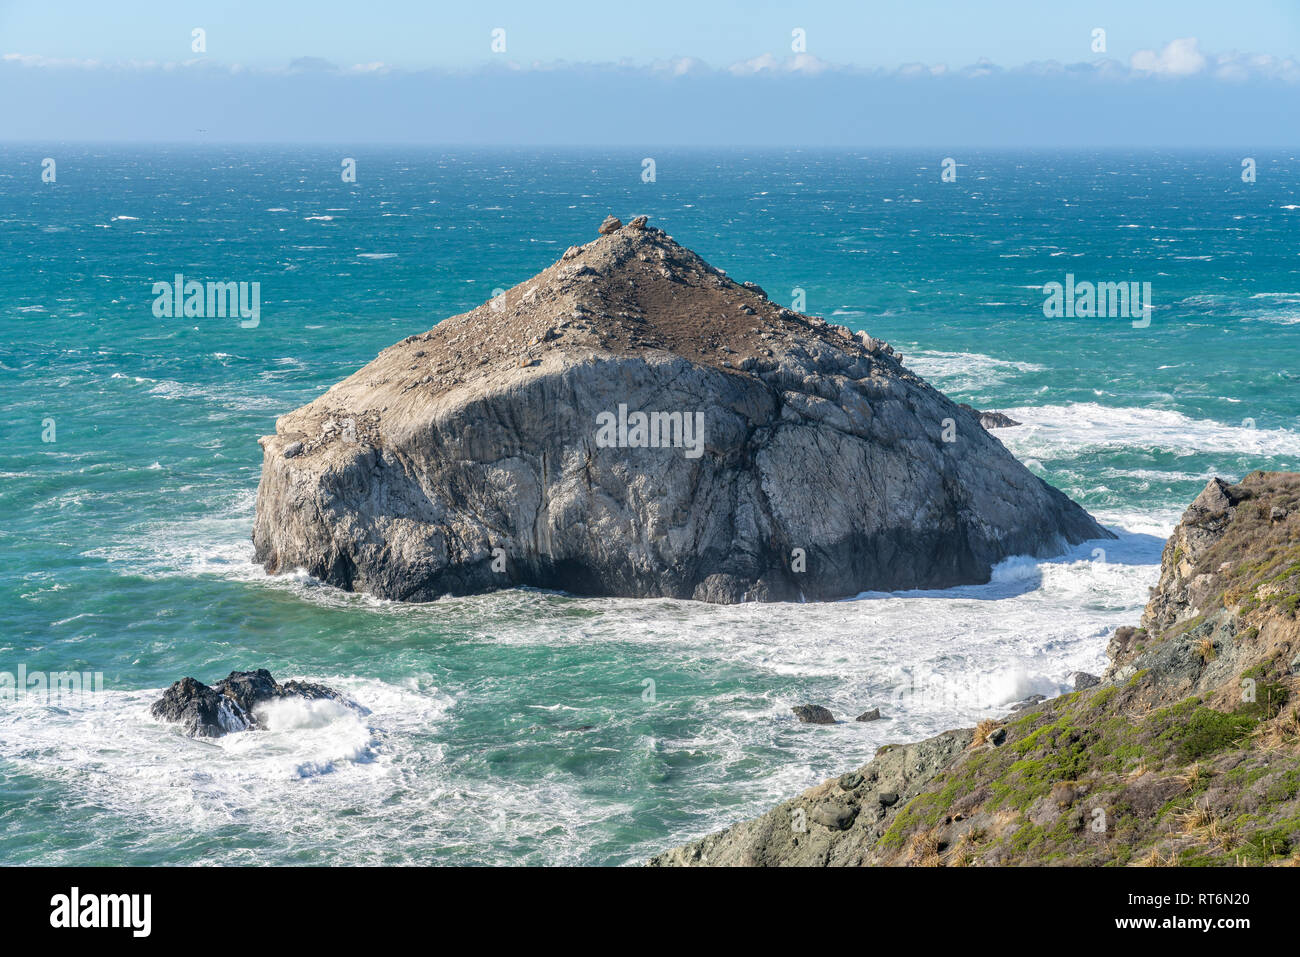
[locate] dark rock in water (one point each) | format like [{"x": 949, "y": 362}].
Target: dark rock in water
[
  {"x": 1084, "y": 680},
  {"x": 249, "y": 688},
  {"x": 201, "y": 711},
  {"x": 679, "y": 436},
  {"x": 872, "y": 715},
  {"x": 997, "y": 420},
  {"x": 813, "y": 714},
  {"x": 231, "y": 705},
  {"x": 991, "y": 420},
  {"x": 1031, "y": 701},
  {"x": 313, "y": 692}
]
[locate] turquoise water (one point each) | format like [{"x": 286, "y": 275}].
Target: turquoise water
[{"x": 518, "y": 727}]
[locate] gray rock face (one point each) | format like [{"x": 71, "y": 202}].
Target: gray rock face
[
  {"x": 836, "y": 823},
  {"x": 631, "y": 422},
  {"x": 1181, "y": 591},
  {"x": 1083, "y": 679}
]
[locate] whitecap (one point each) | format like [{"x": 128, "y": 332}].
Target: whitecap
[
  {"x": 1052, "y": 431},
  {"x": 965, "y": 371}
]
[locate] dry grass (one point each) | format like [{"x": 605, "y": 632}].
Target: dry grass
[
  {"x": 1222, "y": 834},
  {"x": 1153, "y": 858},
  {"x": 1208, "y": 828},
  {"x": 1194, "y": 777},
  {"x": 1204, "y": 649},
  {"x": 1195, "y": 819},
  {"x": 1280, "y": 734},
  {"x": 924, "y": 849},
  {"x": 982, "y": 732},
  {"x": 962, "y": 852},
  {"x": 1138, "y": 770}
]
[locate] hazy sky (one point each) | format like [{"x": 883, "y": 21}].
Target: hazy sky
[
  {"x": 427, "y": 33},
  {"x": 924, "y": 72}
]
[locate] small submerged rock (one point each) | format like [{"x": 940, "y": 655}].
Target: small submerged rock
[
  {"x": 997, "y": 420},
  {"x": 813, "y": 714},
  {"x": 872, "y": 714},
  {"x": 231, "y": 705},
  {"x": 992, "y": 420},
  {"x": 1031, "y": 702}
]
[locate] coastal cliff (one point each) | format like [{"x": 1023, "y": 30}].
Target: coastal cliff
[
  {"x": 1187, "y": 752},
  {"x": 632, "y": 422}
]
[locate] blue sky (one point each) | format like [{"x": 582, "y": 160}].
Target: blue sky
[
  {"x": 429, "y": 33},
  {"x": 924, "y": 72}
]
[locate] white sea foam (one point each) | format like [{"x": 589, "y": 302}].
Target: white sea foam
[
  {"x": 930, "y": 660},
  {"x": 965, "y": 371},
  {"x": 316, "y": 760},
  {"x": 1052, "y": 430},
  {"x": 226, "y": 396},
  {"x": 1286, "y": 317}
]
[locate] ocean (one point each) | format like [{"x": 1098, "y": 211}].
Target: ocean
[{"x": 527, "y": 727}]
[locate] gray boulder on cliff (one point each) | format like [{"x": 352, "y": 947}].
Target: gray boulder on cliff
[{"x": 632, "y": 422}]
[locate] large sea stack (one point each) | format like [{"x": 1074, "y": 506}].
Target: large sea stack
[{"x": 631, "y": 422}]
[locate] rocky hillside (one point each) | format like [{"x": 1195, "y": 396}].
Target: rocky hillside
[
  {"x": 632, "y": 422},
  {"x": 1188, "y": 752}
]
